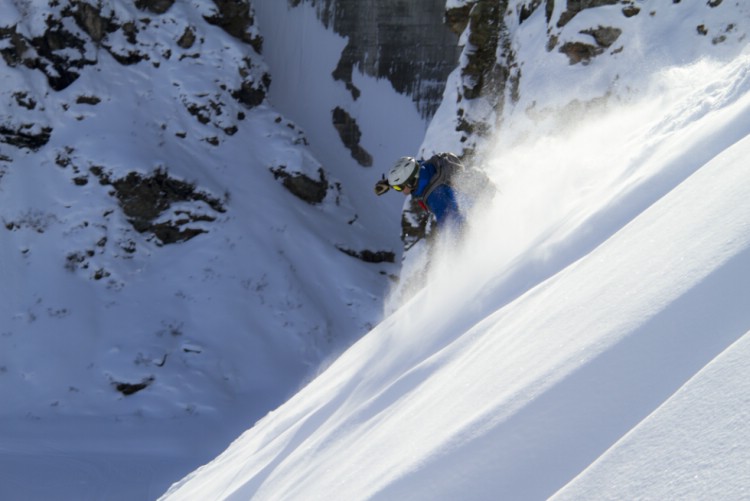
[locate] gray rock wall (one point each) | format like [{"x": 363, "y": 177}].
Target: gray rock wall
[{"x": 405, "y": 41}]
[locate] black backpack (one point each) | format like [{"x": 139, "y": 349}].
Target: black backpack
[{"x": 451, "y": 171}]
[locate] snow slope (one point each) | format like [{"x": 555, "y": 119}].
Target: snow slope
[
  {"x": 220, "y": 328},
  {"x": 586, "y": 341}
]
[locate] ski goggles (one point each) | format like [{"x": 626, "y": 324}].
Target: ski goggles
[{"x": 409, "y": 183}]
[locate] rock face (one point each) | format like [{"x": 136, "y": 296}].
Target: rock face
[
  {"x": 405, "y": 41},
  {"x": 62, "y": 51},
  {"x": 491, "y": 75}
]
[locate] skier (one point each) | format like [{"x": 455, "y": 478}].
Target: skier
[{"x": 430, "y": 183}]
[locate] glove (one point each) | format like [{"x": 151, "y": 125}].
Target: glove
[{"x": 382, "y": 186}]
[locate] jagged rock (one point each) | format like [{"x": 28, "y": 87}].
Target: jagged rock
[
  {"x": 457, "y": 18},
  {"x": 96, "y": 26},
  {"x": 170, "y": 232},
  {"x": 576, "y": 6},
  {"x": 155, "y": 6},
  {"x": 131, "y": 388},
  {"x": 200, "y": 112},
  {"x": 143, "y": 199},
  {"x": 235, "y": 18},
  {"x": 131, "y": 57},
  {"x": 92, "y": 100},
  {"x": 579, "y": 52},
  {"x": 301, "y": 186},
  {"x": 526, "y": 10},
  {"x": 58, "y": 53},
  {"x": 130, "y": 30},
  {"x": 26, "y": 136},
  {"x": 369, "y": 256},
  {"x": 252, "y": 94},
  {"x": 604, "y": 36},
  {"x": 350, "y": 135},
  {"x": 482, "y": 74},
  {"x": 187, "y": 39},
  {"x": 630, "y": 10},
  {"x": 17, "y": 46},
  {"x": 488, "y": 72},
  {"x": 90, "y": 20}
]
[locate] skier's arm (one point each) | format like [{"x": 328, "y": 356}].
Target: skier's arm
[{"x": 442, "y": 202}]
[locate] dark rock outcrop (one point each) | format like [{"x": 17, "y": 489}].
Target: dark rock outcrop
[
  {"x": 27, "y": 136},
  {"x": 145, "y": 199},
  {"x": 573, "y": 7},
  {"x": 312, "y": 191},
  {"x": 405, "y": 41},
  {"x": 58, "y": 53},
  {"x": 131, "y": 388},
  {"x": 235, "y": 17},
  {"x": 155, "y": 6},
  {"x": 369, "y": 256},
  {"x": 489, "y": 70},
  {"x": 350, "y": 135},
  {"x": 579, "y": 52}
]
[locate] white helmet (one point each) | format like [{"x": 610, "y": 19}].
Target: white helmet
[{"x": 403, "y": 171}]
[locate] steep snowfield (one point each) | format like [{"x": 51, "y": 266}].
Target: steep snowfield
[
  {"x": 586, "y": 340},
  {"x": 693, "y": 446}
]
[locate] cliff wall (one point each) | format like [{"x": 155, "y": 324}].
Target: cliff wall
[{"x": 405, "y": 41}]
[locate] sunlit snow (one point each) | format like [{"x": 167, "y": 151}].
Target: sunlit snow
[
  {"x": 586, "y": 340},
  {"x": 582, "y": 342}
]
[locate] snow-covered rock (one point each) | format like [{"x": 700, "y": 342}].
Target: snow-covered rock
[{"x": 522, "y": 57}]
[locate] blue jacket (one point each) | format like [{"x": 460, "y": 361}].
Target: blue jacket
[{"x": 442, "y": 202}]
